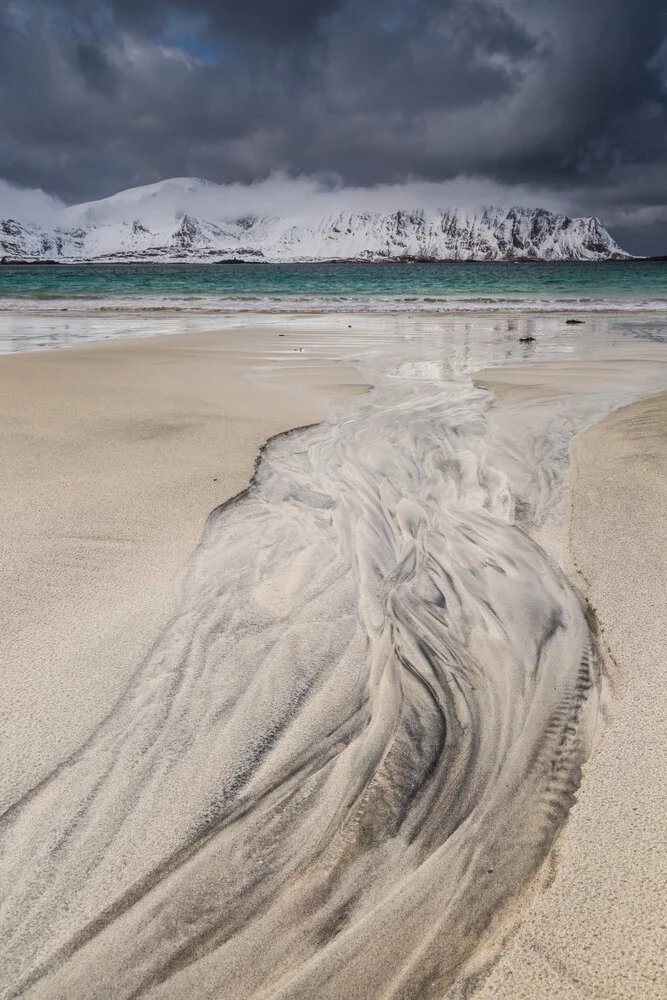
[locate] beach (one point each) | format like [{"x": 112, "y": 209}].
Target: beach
[
  {"x": 333, "y": 500},
  {"x": 596, "y": 931},
  {"x": 113, "y": 455},
  {"x": 335, "y": 746}
]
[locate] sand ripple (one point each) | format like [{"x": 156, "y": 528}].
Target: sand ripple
[{"x": 353, "y": 745}]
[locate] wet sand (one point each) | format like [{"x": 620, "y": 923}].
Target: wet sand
[
  {"x": 348, "y": 740},
  {"x": 597, "y": 932}
]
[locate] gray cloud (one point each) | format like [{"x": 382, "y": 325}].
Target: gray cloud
[{"x": 568, "y": 98}]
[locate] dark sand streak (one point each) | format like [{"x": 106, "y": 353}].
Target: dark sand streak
[{"x": 351, "y": 748}]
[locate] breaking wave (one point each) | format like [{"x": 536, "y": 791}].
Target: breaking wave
[{"x": 279, "y": 304}]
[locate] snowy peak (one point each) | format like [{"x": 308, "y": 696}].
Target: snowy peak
[
  {"x": 165, "y": 197},
  {"x": 187, "y": 219}
]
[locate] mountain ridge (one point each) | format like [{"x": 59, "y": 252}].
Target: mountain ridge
[{"x": 188, "y": 220}]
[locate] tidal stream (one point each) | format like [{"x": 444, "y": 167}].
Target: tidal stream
[{"x": 355, "y": 742}]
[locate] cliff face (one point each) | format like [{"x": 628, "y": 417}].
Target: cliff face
[{"x": 148, "y": 224}]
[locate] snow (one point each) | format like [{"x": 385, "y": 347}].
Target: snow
[{"x": 189, "y": 219}]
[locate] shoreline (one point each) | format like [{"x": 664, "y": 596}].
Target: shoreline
[
  {"x": 408, "y": 259},
  {"x": 29, "y": 330},
  {"x": 33, "y": 307}
]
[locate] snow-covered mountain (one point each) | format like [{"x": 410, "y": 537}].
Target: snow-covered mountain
[{"x": 186, "y": 219}]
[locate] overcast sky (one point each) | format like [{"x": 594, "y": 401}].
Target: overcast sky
[{"x": 562, "y": 101}]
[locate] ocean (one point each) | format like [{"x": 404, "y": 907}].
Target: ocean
[
  {"x": 340, "y": 287},
  {"x": 48, "y": 306}
]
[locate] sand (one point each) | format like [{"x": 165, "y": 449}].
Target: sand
[
  {"x": 598, "y": 931},
  {"x": 360, "y": 717},
  {"x": 111, "y": 458},
  {"x": 313, "y": 783}
]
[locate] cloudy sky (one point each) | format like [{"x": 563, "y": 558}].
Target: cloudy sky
[{"x": 561, "y": 102}]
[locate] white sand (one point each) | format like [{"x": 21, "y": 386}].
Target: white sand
[
  {"x": 111, "y": 458},
  {"x": 111, "y": 454},
  {"x": 598, "y": 932}
]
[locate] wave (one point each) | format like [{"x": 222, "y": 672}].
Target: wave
[{"x": 285, "y": 303}]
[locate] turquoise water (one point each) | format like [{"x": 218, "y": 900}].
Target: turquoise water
[{"x": 340, "y": 286}]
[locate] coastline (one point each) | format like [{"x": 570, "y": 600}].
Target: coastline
[
  {"x": 27, "y": 327},
  {"x": 407, "y": 259},
  {"x": 595, "y": 931}
]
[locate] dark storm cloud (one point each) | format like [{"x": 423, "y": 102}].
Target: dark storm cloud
[
  {"x": 91, "y": 63},
  {"x": 566, "y": 96},
  {"x": 279, "y": 23}
]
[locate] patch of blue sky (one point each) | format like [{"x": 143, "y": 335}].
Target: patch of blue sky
[{"x": 191, "y": 32}]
